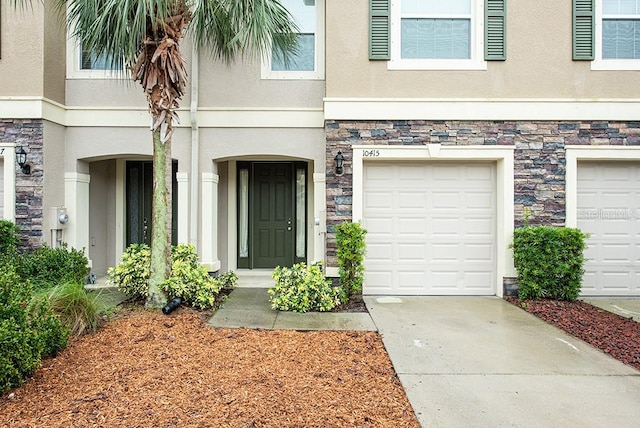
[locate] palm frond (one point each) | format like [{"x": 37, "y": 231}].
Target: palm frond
[{"x": 232, "y": 28}]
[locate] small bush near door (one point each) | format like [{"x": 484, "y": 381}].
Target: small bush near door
[
  {"x": 303, "y": 288},
  {"x": 189, "y": 280},
  {"x": 350, "y": 253},
  {"x": 549, "y": 262}
]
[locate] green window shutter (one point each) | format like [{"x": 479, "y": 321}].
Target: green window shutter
[
  {"x": 584, "y": 30},
  {"x": 495, "y": 30},
  {"x": 379, "y": 23}
]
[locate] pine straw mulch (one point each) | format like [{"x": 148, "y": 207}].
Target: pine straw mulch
[
  {"x": 146, "y": 369},
  {"x": 611, "y": 333}
]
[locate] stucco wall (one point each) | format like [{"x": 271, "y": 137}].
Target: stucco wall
[
  {"x": 22, "y": 45},
  {"x": 539, "y": 61}
]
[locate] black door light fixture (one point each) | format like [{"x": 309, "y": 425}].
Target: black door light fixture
[
  {"x": 21, "y": 159},
  {"x": 339, "y": 162}
]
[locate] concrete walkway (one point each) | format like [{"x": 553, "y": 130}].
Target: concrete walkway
[
  {"x": 482, "y": 362},
  {"x": 623, "y": 306},
  {"x": 250, "y": 308}
]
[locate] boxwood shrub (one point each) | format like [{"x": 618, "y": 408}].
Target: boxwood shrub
[{"x": 549, "y": 262}]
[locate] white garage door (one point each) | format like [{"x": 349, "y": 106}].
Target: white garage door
[
  {"x": 431, "y": 228},
  {"x": 608, "y": 209}
]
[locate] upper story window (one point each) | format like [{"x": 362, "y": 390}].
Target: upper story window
[
  {"x": 436, "y": 34},
  {"x": 308, "y": 61},
  {"x": 617, "y": 35},
  {"x": 85, "y": 64},
  {"x": 92, "y": 61}
]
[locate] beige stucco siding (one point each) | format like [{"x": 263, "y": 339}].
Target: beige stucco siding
[
  {"x": 21, "y": 63},
  {"x": 54, "y": 58},
  {"x": 539, "y": 61}
]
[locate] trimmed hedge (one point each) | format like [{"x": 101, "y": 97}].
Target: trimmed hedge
[{"x": 549, "y": 262}]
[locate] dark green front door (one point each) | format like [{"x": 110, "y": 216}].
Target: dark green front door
[
  {"x": 139, "y": 192},
  {"x": 272, "y": 217}
]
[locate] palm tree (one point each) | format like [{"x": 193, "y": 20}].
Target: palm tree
[{"x": 146, "y": 35}]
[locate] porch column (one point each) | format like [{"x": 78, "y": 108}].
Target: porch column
[
  {"x": 183, "y": 207},
  {"x": 209, "y": 186},
  {"x": 76, "y": 200},
  {"x": 319, "y": 217}
]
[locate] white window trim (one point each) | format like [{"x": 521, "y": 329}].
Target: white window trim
[
  {"x": 476, "y": 62},
  {"x": 318, "y": 73},
  {"x": 75, "y": 72},
  {"x": 609, "y": 64}
]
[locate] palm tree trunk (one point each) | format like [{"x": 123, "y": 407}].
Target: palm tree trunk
[{"x": 161, "y": 221}]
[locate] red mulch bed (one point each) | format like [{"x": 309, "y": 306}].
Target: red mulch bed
[
  {"x": 148, "y": 369},
  {"x": 611, "y": 333}
]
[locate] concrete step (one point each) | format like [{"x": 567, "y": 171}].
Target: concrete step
[{"x": 255, "y": 278}]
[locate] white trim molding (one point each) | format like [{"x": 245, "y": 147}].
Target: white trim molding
[
  {"x": 480, "y": 109},
  {"x": 138, "y": 116},
  {"x": 502, "y": 155},
  {"x": 574, "y": 154}
]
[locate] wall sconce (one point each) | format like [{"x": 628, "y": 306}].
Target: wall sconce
[
  {"x": 21, "y": 159},
  {"x": 339, "y": 162}
]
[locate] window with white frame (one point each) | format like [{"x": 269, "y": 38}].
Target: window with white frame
[
  {"x": 436, "y": 34},
  {"x": 308, "y": 61},
  {"x": 82, "y": 63},
  {"x": 617, "y": 35}
]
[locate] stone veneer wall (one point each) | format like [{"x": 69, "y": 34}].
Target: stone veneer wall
[
  {"x": 28, "y": 134},
  {"x": 539, "y": 157}
]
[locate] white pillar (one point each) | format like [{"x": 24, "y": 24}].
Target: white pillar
[
  {"x": 8, "y": 153},
  {"x": 183, "y": 207},
  {"x": 76, "y": 191},
  {"x": 209, "y": 242},
  {"x": 319, "y": 217}
]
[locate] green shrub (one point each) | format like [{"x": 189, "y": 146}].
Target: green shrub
[
  {"x": 350, "y": 253},
  {"x": 228, "y": 280},
  {"x": 189, "y": 280},
  {"x": 75, "y": 307},
  {"x": 28, "y": 329},
  {"x": 47, "y": 267},
  {"x": 131, "y": 275},
  {"x": 549, "y": 261},
  {"x": 9, "y": 238},
  {"x": 303, "y": 288}
]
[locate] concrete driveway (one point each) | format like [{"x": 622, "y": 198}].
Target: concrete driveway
[{"x": 481, "y": 362}]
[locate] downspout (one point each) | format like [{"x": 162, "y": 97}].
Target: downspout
[{"x": 195, "y": 150}]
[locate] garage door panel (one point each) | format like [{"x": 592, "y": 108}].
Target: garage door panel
[
  {"x": 445, "y": 252},
  {"x": 411, "y": 200},
  {"x": 478, "y": 200},
  {"x": 412, "y": 279},
  {"x": 608, "y": 196},
  {"x": 412, "y": 252},
  {"x": 478, "y": 280},
  {"x": 444, "y": 227},
  {"x": 379, "y": 252},
  {"x": 378, "y": 199},
  {"x": 446, "y": 200},
  {"x": 478, "y": 253},
  {"x": 413, "y": 227},
  {"x": 416, "y": 243}
]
